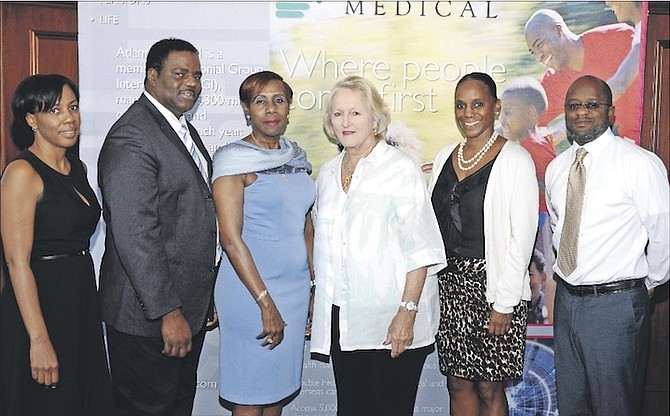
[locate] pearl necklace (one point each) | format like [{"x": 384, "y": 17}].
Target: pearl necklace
[{"x": 474, "y": 160}]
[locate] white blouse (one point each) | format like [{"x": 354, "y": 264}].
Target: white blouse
[{"x": 365, "y": 243}]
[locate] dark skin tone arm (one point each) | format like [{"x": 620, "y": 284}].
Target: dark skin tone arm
[
  {"x": 228, "y": 194},
  {"x": 21, "y": 189}
]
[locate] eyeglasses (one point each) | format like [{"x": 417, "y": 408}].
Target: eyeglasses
[{"x": 591, "y": 105}]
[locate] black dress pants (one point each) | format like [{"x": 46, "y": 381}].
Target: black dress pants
[
  {"x": 145, "y": 381},
  {"x": 371, "y": 383}
]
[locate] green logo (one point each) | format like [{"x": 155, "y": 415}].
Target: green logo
[{"x": 291, "y": 10}]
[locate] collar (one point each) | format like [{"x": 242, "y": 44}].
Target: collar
[
  {"x": 376, "y": 156},
  {"x": 596, "y": 147},
  {"x": 175, "y": 122}
]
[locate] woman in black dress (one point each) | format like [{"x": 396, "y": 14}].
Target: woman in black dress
[{"x": 52, "y": 359}]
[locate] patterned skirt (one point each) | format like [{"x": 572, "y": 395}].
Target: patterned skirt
[{"x": 465, "y": 348}]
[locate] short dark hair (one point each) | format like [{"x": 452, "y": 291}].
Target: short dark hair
[
  {"x": 36, "y": 94},
  {"x": 604, "y": 87},
  {"x": 259, "y": 80},
  {"x": 485, "y": 79},
  {"x": 160, "y": 50}
]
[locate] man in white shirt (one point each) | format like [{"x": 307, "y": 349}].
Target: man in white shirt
[{"x": 608, "y": 267}]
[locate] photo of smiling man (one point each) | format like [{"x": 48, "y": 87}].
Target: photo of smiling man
[{"x": 598, "y": 51}]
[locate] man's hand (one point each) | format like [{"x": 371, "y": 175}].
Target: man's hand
[
  {"x": 176, "y": 334},
  {"x": 213, "y": 321}
]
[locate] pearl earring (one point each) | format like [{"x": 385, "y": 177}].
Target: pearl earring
[
  {"x": 33, "y": 128},
  {"x": 248, "y": 118}
]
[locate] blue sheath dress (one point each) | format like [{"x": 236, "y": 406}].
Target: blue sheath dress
[{"x": 275, "y": 206}]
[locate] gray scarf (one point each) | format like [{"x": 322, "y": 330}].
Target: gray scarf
[{"x": 240, "y": 157}]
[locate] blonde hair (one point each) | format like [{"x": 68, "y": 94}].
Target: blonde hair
[{"x": 363, "y": 87}]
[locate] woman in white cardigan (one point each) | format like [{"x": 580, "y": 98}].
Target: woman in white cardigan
[{"x": 485, "y": 196}]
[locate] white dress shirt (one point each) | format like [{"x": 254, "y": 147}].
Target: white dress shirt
[
  {"x": 365, "y": 243},
  {"x": 511, "y": 210},
  {"x": 625, "y": 212},
  {"x": 176, "y": 123}
]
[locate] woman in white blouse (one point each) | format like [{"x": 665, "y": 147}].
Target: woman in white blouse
[{"x": 376, "y": 247}]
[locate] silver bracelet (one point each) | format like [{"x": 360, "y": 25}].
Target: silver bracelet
[
  {"x": 261, "y": 295},
  {"x": 312, "y": 283}
]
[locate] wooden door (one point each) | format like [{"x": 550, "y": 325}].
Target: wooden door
[
  {"x": 656, "y": 137},
  {"x": 36, "y": 37},
  {"x": 42, "y": 37}
]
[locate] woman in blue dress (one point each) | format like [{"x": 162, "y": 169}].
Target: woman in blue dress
[{"x": 263, "y": 194}]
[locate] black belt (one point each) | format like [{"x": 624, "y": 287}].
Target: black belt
[
  {"x": 604, "y": 288},
  {"x": 61, "y": 256}
]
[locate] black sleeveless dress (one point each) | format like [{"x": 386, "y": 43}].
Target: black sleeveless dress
[{"x": 68, "y": 298}]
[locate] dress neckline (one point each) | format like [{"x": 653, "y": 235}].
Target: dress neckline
[
  {"x": 65, "y": 175},
  {"x": 473, "y": 174}
]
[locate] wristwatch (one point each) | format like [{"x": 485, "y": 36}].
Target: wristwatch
[{"x": 410, "y": 306}]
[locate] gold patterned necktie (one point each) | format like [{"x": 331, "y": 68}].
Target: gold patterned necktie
[{"x": 574, "y": 200}]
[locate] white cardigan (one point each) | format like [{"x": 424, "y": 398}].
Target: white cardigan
[{"x": 511, "y": 208}]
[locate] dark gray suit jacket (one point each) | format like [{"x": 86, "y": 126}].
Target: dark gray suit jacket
[{"x": 161, "y": 225}]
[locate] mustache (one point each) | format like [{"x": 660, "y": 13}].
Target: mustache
[{"x": 587, "y": 136}]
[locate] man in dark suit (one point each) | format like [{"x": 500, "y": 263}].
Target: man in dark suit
[{"x": 159, "y": 265}]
